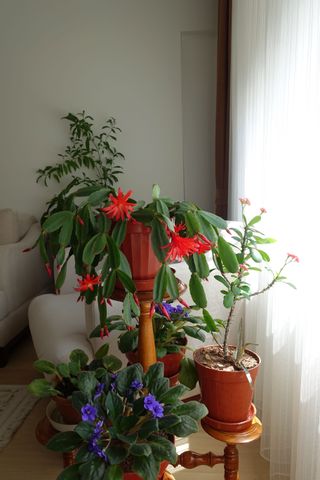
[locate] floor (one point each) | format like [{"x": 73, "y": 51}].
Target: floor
[{"x": 25, "y": 459}]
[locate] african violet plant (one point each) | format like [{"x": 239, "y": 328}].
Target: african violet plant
[
  {"x": 171, "y": 325},
  {"x": 128, "y": 423},
  {"x": 68, "y": 376}
]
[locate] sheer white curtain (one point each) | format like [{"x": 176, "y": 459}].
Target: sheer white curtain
[{"x": 275, "y": 162}]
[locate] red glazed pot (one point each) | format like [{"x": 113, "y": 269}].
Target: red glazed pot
[
  {"x": 138, "y": 250},
  {"x": 134, "y": 476},
  {"x": 70, "y": 415},
  {"x": 171, "y": 361},
  {"x": 227, "y": 395}
]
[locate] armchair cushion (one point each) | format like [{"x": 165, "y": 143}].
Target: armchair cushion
[
  {"x": 22, "y": 275},
  {"x": 9, "y": 227}
]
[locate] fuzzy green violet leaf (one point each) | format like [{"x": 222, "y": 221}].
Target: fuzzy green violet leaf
[
  {"x": 188, "y": 374},
  {"x": 44, "y": 366},
  {"x": 93, "y": 469},
  {"x": 70, "y": 473},
  {"x": 113, "y": 472},
  {"x": 64, "y": 442}
]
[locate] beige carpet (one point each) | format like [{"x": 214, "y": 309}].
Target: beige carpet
[{"x": 15, "y": 404}]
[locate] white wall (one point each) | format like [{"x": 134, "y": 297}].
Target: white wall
[{"x": 109, "y": 57}]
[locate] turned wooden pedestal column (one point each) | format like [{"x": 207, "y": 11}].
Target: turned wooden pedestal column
[{"x": 230, "y": 458}]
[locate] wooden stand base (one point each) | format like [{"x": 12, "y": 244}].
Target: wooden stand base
[{"x": 230, "y": 458}]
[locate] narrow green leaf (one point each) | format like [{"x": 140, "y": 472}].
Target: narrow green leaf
[
  {"x": 254, "y": 220},
  {"x": 160, "y": 284},
  {"x": 126, "y": 281},
  {"x": 93, "y": 247},
  {"x": 197, "y": 291},
  {"x": 213, "y": 219},
  {"x": 228, "y": 300},
  {"x": 159, "y": 239},
  {"x": 227, "y": 255},
  {"x": 113, "y": 253},
  {"x": 119, "y": 232},
  {"x": 172, "y": 285},
  {"x": 192, "y": 223}
]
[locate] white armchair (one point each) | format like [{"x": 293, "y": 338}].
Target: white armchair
[{"x": 22, "y": 275}]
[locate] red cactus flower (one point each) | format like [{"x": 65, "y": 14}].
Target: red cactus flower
[
  {"x": 180, "y": 247},
  {"x": 164, "y": 311},
  {"x": 88, "y": 283},
  {"x": 106, "y": 331},
  {"x": 120, "y": 208},
  {"x": 49, "y": 269},
  {"x": 204, "y": 245},
  {"x": 293, "y": 257},
  {"x": 136, "y": 299},
  {"x": 183, "y": 302},
  {"x": 243, "y": 267},
  {"x": 130, "y": 328},
  {"x": 152, "y": 310},
  {"x": 109, "y": 302},
  {"x": 79, "y": 220}
]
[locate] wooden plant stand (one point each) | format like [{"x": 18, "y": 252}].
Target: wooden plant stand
[{"x": 230, "y": 458}]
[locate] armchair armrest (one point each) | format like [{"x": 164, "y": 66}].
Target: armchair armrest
[{"x": 22, "y": 275}]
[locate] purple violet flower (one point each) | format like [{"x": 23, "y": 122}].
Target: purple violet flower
[
  {"x": 153, "y": 406},
  {"x": 93, "y": 447},
  {"x": 89, "y": 413},
  {"x": 99, "y": 390},
  {"x": 113, "y": 384},
  {"x": 136, "y": 385},
  {"x": 157, "y": 410},
  {"x": 178, "y": 309}
]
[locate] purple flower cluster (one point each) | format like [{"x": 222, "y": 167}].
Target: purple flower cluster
[
  {"x": 93, "y": 445},
  {"x": 113, "y": 383},
  {"x": 152, "y": 405},
  {"x": 136, "y": 385},
  {"x": 99, "y": 390},
  {"x": 178, "y": 309},
  {"x": 88, "y": 413}
]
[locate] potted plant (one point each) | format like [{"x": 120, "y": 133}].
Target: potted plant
[
  {"x": 227, "y": 373},
  {"x": 171, "y": 325},
  {"x": 127, "y": 427},
  {"x": 66, "y": 377},
  {"x": 115, "y": 240}
]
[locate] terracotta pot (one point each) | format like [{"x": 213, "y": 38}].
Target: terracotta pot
[
  {"x": 227, "y": 395},
  {"x": 171, "y": 361},
  {"x": 138, "y": 250},
  {"x": 69, "y": 414},
  {"x": 134, "y": 476}
]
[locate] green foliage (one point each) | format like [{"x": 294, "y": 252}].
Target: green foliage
[
  {"x": 169, "y": 333},
  {"x": 235, "y": 257},
  {"x": 87, "y": 151},
  {"x": 78, "y": 373},
  {"x": 126, "y": 428}
]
